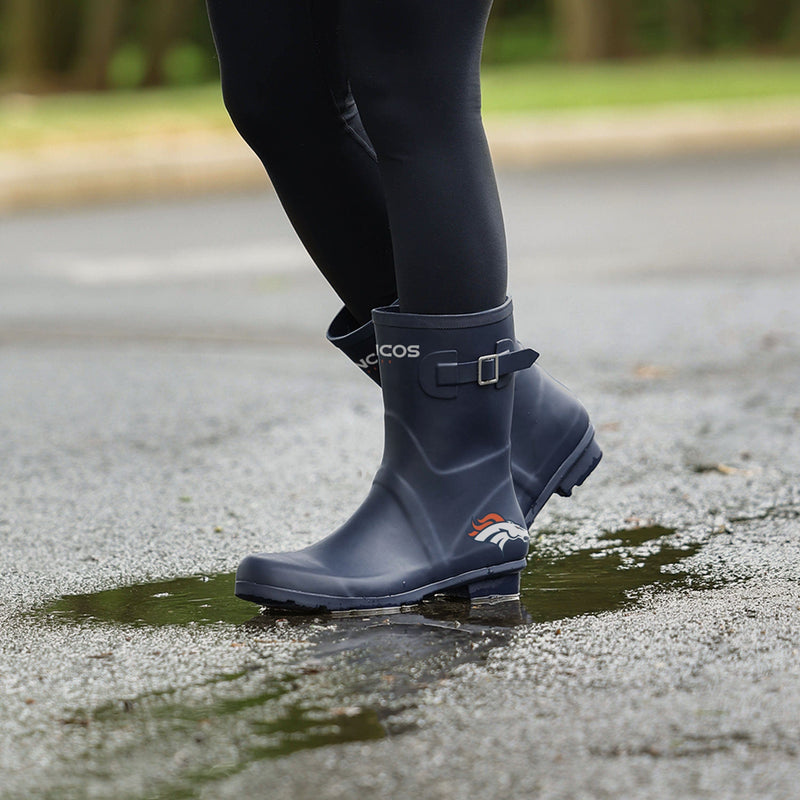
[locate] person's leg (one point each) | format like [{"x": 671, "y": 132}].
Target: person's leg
[
  {"x": 414, "y": 69},
  {"x": 442, "y": 514},
  {"x": 286, "y": 91}
]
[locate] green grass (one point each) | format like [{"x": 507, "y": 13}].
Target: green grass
[
  {"x": 27, "y": 122},
  {"x": 32, "y": 122},
  {"x": 525, "y": 88}
]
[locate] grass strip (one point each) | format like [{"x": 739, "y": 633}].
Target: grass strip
[{"x": 34, "y": 122}]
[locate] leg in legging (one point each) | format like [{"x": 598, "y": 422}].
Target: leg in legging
[
  {"x": 286, "y": 90},
  {"x": 414, "y": 69}
]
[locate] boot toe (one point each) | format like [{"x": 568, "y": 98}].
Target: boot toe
[{"x": 268, "y": 576}]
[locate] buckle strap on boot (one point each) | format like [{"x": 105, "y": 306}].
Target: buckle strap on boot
[
  {"x": 487, "y": 370},
  {"x": 440, "y": 373}
]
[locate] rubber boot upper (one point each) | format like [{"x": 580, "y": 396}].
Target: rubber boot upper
[{"x": 442, "y": 510}]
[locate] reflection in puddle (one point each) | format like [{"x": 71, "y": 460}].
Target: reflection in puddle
[{"x": 364, "y": 671}]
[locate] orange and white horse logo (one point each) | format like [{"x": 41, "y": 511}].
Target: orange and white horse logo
[{"x": 493, "y": 528}]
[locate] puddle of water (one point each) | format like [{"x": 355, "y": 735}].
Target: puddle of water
[
  {"x": 217, "y": 729},
  {"x": 197, "y": 600},
  {"x": 355, "y": 659},
  {"x": 604, "y": 577},
  {"x": 314, "y": 727},
  {"x": 279, "y": 737},
  {"x": 294, "y": 724}
]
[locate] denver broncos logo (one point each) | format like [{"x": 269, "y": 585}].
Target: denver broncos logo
[{"x": 493, "y": 528}]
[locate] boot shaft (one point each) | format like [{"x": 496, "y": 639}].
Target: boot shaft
[{"x": 447, "y": 381}]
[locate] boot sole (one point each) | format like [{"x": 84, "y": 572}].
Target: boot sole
[
  {"x": 490, "y": 584},
  {"x": 574, "y": 470}
]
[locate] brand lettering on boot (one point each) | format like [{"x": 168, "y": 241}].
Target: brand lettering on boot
[
  {"x": 369, "y": 362},
  {"x": 493, "y": 528},
  {"x": 398, "y": 351}
]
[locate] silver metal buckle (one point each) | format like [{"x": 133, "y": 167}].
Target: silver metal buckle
[{"x": 494, "y": 358}]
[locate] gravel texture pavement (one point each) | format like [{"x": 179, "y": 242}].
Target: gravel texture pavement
[{"x": 169, "y": 405}]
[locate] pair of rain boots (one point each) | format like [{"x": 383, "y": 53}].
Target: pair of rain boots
[{"x": 476, "y": 440}]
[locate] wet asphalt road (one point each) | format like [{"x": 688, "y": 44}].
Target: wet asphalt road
[{"x": 168, "y": 404}]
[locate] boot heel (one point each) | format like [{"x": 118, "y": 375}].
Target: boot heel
[
  {"x": 581, "y": 469},
  {"x": 494, "y": 589}
]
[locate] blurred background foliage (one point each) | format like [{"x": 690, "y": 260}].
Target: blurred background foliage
[{"x": 51, "y": 46}]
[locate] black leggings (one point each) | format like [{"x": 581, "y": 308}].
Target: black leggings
[{"x": 396, "y": 196}]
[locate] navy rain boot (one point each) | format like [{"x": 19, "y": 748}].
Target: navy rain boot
[
  {"x": 442, "y": 514},
  {"x": 552, "y": 440}
]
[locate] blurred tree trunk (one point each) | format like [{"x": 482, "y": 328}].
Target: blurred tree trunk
[
  {"x": 687, "y": 25},
  {"x": 594, "y": 29},
  {"x": 793, "y": 31},
  {"x": 100, "y": 31},
  {"x": 769, "y": 20},
  {"x": 27, "y": 59},
  {"x": 166, "y": 21}
]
